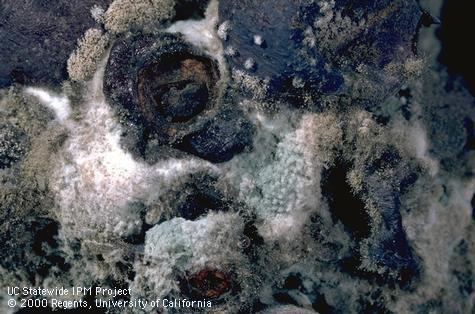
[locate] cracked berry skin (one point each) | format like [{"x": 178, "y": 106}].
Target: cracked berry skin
[
  {"x": 160, "y": 83},
  {"x": 165, "y": 91}
]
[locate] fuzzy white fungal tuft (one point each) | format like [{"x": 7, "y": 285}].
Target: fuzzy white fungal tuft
[{"x": 59, "y": 104}]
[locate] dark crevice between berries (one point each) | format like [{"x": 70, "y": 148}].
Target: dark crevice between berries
[
  {"x": 321, "y": 305},
  {"x": 426, "y": 20},
  {"x": 386, "y": 243},
  {"x": 31, "y": 248},
  {"x": 388, "y": 247},
  {"x": 198, "y": 205},
  {"x": 139, "y": 236},
  {"x": 473, "y": 207},
  {"x": 457, "y": 19},
  {"x": 190, "y": 9},
  {"x": 293, "y": 286},
  {"x": 199, "y": 197},
  {"x": 345, "y": 205},
  {"x": 470, "y": 131},
  {"x": 256, "y": 242},
  {"x": 46, "y": 245}
]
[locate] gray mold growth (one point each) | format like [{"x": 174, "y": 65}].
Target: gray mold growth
[
  {"x": 248, "y": 156},
  {"x": 13, "y": 145}
]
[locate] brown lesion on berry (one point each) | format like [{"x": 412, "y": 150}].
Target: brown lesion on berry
[
  {"x": 177, "y": 88},
  {"x": 206, "y": 284}
]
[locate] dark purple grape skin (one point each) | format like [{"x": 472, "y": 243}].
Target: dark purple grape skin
[{"x": 386, "y": 37}]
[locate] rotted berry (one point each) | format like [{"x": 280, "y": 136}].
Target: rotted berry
[{"x": 206, "y": 284}]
